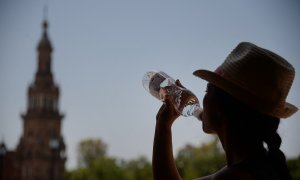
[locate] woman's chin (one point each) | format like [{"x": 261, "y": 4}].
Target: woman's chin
[{"x": 207, "y": 130}]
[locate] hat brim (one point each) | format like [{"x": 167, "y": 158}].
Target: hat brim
[{"x": 245, "y": 96}]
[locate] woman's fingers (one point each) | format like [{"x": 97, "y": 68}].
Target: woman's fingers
[
  {"x": 178, "y": 83},
  {"x": 167, "y": 111}
]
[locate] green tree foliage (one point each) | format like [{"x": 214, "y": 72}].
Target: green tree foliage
[
  {"x": 139, "y": 169},
  {"x": 200, "y": 161},
  {"x": 94, "y": 164},
  {"x": 90, "y": 150},
  {"x": 192, "y": 162},
  {"x": 103, "y": 168},
  {"x": 110, "y": 169},
  {"x": 294, "y": 167},
  {"x": 78, "y": 174}
]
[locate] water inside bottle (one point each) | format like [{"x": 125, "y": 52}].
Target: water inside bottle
[
  {"x": 185, "y": 102},
  {"x": 191, "y": 110},
  {"x": 159, "y": 84}
]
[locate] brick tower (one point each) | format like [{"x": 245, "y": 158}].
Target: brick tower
[{"x": 41, "y": 150}]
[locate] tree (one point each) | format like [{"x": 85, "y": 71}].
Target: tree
[
  {"x": 106, "y": 169},
  {"x": 90, "y": 150},
  {"x": 294, "y": 167},
  {"x": 93, "y": 164},
  {"x": 138, "y": 169},
  {"x": 193, "y": 161}
]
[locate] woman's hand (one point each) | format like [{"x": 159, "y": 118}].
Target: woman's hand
[{"x": 167, "y": 114}]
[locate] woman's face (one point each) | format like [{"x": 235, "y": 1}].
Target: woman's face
[{"x": 211, "y": 111}]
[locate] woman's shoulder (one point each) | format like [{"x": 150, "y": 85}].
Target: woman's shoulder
[
  {"x": 232, "y": 173},
  {"x": 228, "y": 173}
]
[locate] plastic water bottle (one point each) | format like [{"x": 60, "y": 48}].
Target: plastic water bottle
[{"x": 159, "y": 84}]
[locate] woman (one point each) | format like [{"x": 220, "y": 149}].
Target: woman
[{"x": 243, "y": 105}]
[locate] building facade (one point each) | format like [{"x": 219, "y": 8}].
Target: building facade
[{"x": 40, "y": 154}]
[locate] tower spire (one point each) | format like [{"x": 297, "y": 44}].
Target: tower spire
[
  {"x": 44, "y": 52},
  {"x": 45, "y": 42},
  {"x": 45, "y": 10},
  {"x": 45, "y": 22}
]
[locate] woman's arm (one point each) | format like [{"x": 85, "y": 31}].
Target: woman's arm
[{"x": 163, "y": 164}]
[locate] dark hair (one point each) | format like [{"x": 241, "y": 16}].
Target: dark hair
[{"x": 256, "y": 127}]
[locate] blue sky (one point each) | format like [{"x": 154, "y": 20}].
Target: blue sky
[{"x": 103, "y": 48}]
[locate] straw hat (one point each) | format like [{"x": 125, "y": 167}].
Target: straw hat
[{"x": 257, "y": 77}]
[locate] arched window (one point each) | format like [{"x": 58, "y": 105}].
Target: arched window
[
  {"x": 34, "y": 102},
  {"x": 55, "y": 105},
  {"x": 47, "y": 102},
  {"x": 30, "y": 102},
  {"x": 41, "y": 101}
]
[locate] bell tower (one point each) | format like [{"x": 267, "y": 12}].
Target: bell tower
[{"x": 41, "y": 149}]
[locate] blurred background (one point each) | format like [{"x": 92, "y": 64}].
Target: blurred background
[{"x": 103, "y": 48}]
